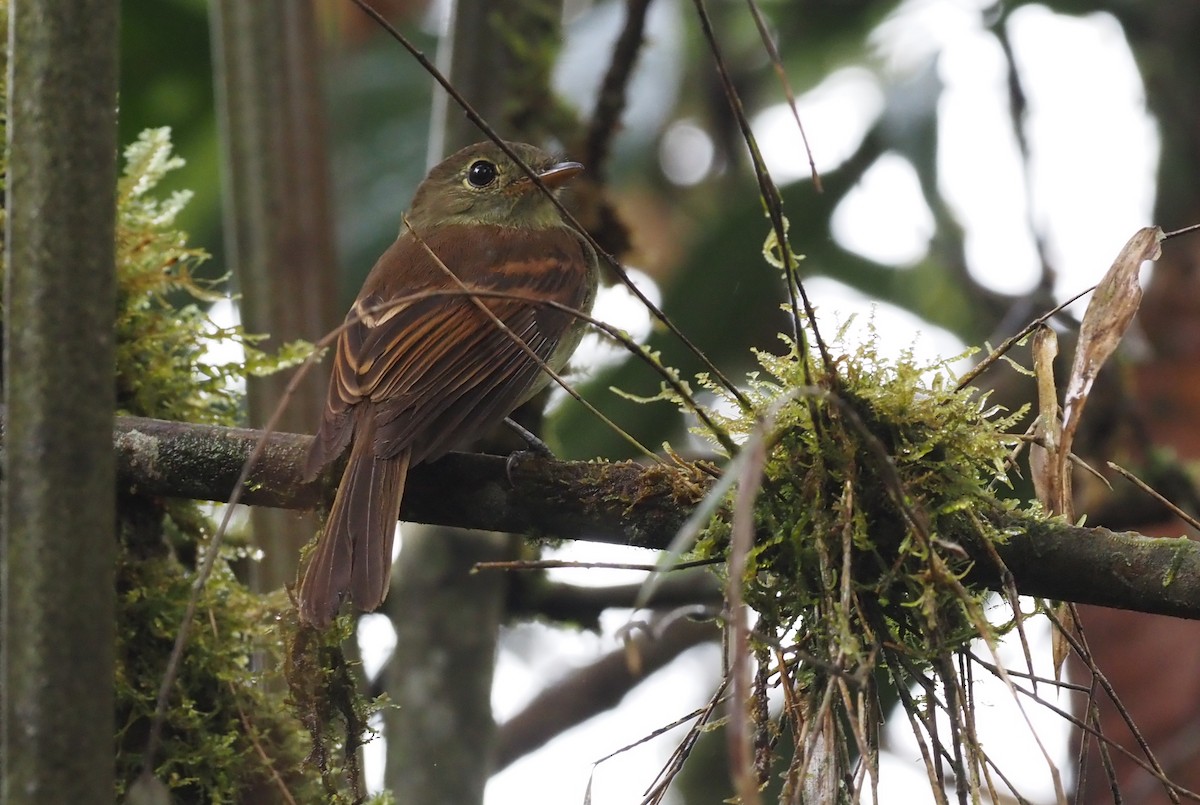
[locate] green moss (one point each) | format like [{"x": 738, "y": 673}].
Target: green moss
[
  {"x": 226, "y": 737},
  {"x": 230, "y": 734},
  {"x": 873, "y": 471},
  {"x": 164, "y": 334},
  {"x": 867, "y": 474},
  {"x": 236, "y": 730}
]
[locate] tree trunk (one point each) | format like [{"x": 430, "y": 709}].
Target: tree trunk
[
  {"x": 440, "y": 738},
  {"x": 59, "y": 541},
  {"x": 277, "y": 219}
]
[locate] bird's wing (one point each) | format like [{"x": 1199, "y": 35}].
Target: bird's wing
[{"x": 440, "y": 371}]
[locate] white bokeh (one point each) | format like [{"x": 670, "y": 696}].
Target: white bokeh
[
  {"x": 837, "y": 114},
  {"x": 889, "y": 197},
  {"x": 1094, "y": 145}
]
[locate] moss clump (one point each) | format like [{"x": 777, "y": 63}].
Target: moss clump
[
  {"x": 867, "y": 477},
  {"x": 163, "y": 332},
  {"x": 872, "y": 472}
]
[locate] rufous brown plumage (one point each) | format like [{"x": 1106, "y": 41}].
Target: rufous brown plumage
[{"x": 420, "y": 369}]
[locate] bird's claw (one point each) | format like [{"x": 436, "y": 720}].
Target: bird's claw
[{"x": 535, "y": 445}]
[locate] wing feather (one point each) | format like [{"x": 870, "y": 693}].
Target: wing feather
[{"x": 437, "y": 370}]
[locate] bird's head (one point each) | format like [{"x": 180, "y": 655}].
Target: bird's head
[{"x": 481, "y": 185}]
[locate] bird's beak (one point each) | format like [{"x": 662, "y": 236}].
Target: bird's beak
[{"x": 558, "y": 175}]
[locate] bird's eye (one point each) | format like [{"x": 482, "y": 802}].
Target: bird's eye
[{"x": 481, "y": 173}]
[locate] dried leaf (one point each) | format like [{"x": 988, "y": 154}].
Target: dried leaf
[{"x": 1108, "y": 316}]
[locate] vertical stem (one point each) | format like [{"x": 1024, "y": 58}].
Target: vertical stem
[
  {"x": 277, "y": 216},
  {"x": 59, "y": 543},
  {"x": 441, "y": 734},
  {"x": 499, "y": 54}
]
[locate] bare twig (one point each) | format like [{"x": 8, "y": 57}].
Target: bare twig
[
  {"x": 610, "y": 103},
  {"x": 1012, "y": 341},
  {"x": 776, "y": 62},
  {"x": 1079, "y": 645},
  {"x": 772, "y": 200},
  {"x": 1184, "y": 231},
  {"x": 593, "y": 689},
  {"x": 1149, "y": 490}
]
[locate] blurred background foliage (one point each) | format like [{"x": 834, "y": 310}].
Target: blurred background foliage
[
  {"x": 166, "y": 76},
  {"x": 679, "y": 176},
  {"x": 699, "y": 236}
]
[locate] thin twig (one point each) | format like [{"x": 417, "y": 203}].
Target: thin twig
[
  {"x": 1176, "y": 233},
  {"x": 610, "y": 103},
  {"x": 1079, "y": 644},
  {"x": 1012, "y": 341},
  {"x": 1090, "y": 731},
  {"x": 1154, "y": 493},
  {"x": 776, "y": 62},
  {"x": 701, "y": 718},
  {"x": 773, "y": 201},
  {"x": 1017, "y": 108}
]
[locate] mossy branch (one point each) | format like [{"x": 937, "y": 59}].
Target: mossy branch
[{"x": 638, "y": 505}]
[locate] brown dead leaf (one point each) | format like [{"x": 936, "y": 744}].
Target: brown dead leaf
[{"x": 1107, "y": 318}]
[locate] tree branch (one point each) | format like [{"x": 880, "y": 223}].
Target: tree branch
[
  {"x": 637, "y": 505},
  {"x": 555, "y": 601},
  {"x": 618, "y": 503},
  {"x": 599, "y": 686}
]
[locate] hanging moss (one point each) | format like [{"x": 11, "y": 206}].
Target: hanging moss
[
  {"x": 881, "y": 462},
  {"x": 229, "y": 735},
  {"x": 873, "y": 469}
]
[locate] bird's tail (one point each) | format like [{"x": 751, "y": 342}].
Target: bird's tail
[{"x": 354, "y": 554}]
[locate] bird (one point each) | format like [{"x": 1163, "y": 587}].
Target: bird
[{"x": 419, "y": 369}]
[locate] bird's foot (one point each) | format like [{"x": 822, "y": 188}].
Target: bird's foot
[{"x": 535, "y": 445}]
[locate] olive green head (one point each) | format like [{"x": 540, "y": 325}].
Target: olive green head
[{"x": 481, "y": 185}]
